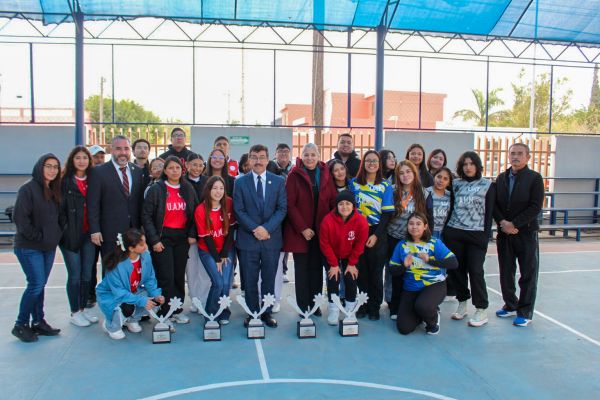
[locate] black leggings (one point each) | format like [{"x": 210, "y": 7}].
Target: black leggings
[
  {"x": 370, "y": 271},
  {"x": 397, "y": 280},
  {"x": 333, "y": 284},
  {"x": 470, "y": 248},
  {"x": 416, "y": 307},
  {"x": 308, "y": 274}
]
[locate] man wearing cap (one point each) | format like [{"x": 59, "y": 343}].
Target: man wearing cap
[{"x": 98, "y": 154}]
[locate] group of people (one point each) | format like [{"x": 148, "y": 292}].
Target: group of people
[{"x": 408, "y": 232}]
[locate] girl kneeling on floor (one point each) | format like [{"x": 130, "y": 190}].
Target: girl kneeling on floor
[
  {"x": 423, "y": 261},
  {"x": 344, "y": 233},
  {"x": 129, "y": 288}
]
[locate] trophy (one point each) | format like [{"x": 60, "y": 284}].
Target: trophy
[
  {"x": 349, "y": 325},
  {"x": 161, "y": 332},
  {"x": 212, "y": 328},
  {"x": 306, "y": 328},
  {"x": 256, "y": 328}
]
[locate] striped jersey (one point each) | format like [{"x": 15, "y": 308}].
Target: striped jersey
[
  {"x": 372, "y": 199},
  {"x": 469, "y": 204}
]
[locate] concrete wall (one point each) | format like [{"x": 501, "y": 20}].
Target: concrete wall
[
  {"x": 203, "y": 138},
  {"x": 21, "y": 146},
  {"x": 576, "y": 157},
  {"x": 453, "y": 143}
]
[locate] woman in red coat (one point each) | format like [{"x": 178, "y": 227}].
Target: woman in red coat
[
  {"x": 310, "y": 195},
  {"x": 343, "y": 235}
]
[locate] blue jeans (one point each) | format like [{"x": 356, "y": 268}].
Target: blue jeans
[
  {"x": 36, "y": 265},
  {"x": 221, "y": 282},
  {"x": 79, "y": 270}
]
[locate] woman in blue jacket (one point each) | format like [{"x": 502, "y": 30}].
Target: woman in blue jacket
[{"x": 129, "y": 287}]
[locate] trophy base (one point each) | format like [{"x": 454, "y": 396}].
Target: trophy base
[
  {"x": 256, "y": 329},
  {"x": 212, "y": 331},
  {"x": 161, "y": 334},
  {"x": 306, "y": 329},
  {"x": 348, "y": 328}
]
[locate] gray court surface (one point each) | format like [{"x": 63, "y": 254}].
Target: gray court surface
[{"x": 556, "y": 357}]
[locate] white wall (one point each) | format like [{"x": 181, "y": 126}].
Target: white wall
[
  {"x": 203, "y": 138},
  {"x": 453, "y": 143}
]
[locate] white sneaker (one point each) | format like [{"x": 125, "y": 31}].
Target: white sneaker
[
  {"x": 461, "y": 311},
  {"x": 171, "y": 326},
  {"x": 180, "y": 318},
  {"x": 193, "y": 309},
  {"x": 90, "y": 317},
  {"x": 449, "y": 298},
  {"x": 333, "y": 314},
  {"x": 133, "y": 327},
  {"x": 480, "y": 318},
  {"x": 118, "y": 335},
  {"x": 276, "y": 307},
  {"x": 78, "y": 319},
  {"x": 224, "y": 322}
]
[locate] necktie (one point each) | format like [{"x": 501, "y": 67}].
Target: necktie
[
  {"x": 259, "y": 192},
  {"x": 125, "y": 180}
]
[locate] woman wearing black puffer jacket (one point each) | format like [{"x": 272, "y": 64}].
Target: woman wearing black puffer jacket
[
  {"x": 168, "y": 220},
  {"x": 36, "y": 217}
]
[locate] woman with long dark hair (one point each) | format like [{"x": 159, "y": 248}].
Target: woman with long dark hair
[
  {"x": 310, "y": 197},
  {"x": 339, "y": 174},
  {"x": 76, "y": 245},
  {"x": 409, "y": 197},
  {"x": 216, "y": 167},
  {"x": 215, "y": 224},
  {"x": 416, "y": 155},
  {"x": 388, "y": 165},
  {"x": 195, "y": 173},
  {"x": 36, "y": 216},
  {"x": 467, "y": 235},
  {"x": 168, "y": 220},
  {"x": 436, "y": 160},
  {"x": 129, "y": 287},
  {"x": 374, "y": 201}
]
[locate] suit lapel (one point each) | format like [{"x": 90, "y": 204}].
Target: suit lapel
[{"x": 116, "y": 176}]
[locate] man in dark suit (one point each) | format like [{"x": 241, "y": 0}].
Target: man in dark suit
[
  {"x": 115, "y": 196},
  {"x": 260, "y": 205},
  {"x": 519, "y": 199}
]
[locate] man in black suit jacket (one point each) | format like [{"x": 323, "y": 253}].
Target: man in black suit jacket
[
  {"x": 115, "y": 196},
  {"x": 519, "y": 199}
]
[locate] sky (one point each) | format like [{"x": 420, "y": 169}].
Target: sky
[{"x": 161, "y": 78}]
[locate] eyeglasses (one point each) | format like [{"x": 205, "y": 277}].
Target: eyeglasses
[
  {"x": 283, "y": 152},
  {"x": 371, "y": 162},
  {"x": 51, "y": 166},
  {"x": 178, "y": 135},
  {"x": 261, "y": 158},
  {"x": 219, "y": 158}
]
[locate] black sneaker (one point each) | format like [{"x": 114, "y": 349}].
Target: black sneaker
[
  {"x": 90, "y": 303},
  {"x": 362, "y": 312},
  {"x": 432, "y": 330},
  {"x": 374, "y": 316},
  {"x": 318, "y": 313},
  {"x": 42, "y": 328},
  {"x": 24, "y": 333}
]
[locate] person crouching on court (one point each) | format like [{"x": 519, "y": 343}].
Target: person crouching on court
[
  {"x": 120, "y": 295},
  {"x": 344, "y": 233},
  {"x": 423, "y": 261}
]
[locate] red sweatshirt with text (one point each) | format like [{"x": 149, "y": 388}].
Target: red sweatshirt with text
[{"x": 341, "y": 240}]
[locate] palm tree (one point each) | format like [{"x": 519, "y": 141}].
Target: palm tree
[{"x": 479, "y": 115}]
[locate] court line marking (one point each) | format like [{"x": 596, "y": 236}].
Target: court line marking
[
  {"x": 370, "y": 385},
  {"x": 557, "y": 272},
  {"x": 556, "y": 322},
  {"x": 262, "y": 360},
  {"x": 555, "y": 252}
]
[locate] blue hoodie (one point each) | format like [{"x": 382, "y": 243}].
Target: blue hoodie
[{"x": 114, "y": 289}]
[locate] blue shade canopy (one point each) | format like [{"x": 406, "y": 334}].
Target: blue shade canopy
[{"x": 550, "y": 20}]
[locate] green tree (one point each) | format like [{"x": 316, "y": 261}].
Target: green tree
[
  {"x": 478, "y": 115},
  {"x": 592, "y": 117},
  {"x": 125, "y": 111}
]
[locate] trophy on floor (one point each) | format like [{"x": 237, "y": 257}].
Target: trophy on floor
[
  {"x": 305, "y": 328},
  {"x": 256, "y": 328},
  {"x": 212, "y": 328},
  {"x": 349, "y": 325},
  {"x": 162, "y": 332}
]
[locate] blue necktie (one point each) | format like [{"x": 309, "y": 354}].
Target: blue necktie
[{"x": 259, "y": 192}]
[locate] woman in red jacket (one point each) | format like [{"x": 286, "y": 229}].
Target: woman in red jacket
[
  {"x": 310, "y": 195},
  {"x": 343, "y": 235}
]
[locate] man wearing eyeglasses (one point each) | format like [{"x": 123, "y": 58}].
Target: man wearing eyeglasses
[
  {"x": 260, "y": 205},
  {"x": 282, "y": 163},
  {"x": 177, "y": 147},
  {"x": 345, "y": 152}
]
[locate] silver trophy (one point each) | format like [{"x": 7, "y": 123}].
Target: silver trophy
[
  {"x": 256, "y": 328},
  {"x": 212, "y": 328},
  {"x": 349, "y": 325},
  {"x": 306, "y": 328},
  {"x": 162, "y": 332}
]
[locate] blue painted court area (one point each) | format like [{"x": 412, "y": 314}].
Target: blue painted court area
[{"x": 556, "y": 357}]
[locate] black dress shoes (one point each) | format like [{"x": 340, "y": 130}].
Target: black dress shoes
[
  {"x": 24, "y": 333},
  {"x": 247, "y": 321},
  {"x": 42, "y": 328},
  {"x": 269, "y": 320}
]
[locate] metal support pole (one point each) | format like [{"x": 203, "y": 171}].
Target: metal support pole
[
  {"x": 32, "y": 93},
  {"x": 420, "y": 90},
  {"x": 349, "y": 87},
  {"x": 79, "y": 105},
  {"x": 274, "y": 87},
  {"x": 487, "y": 94},
  {"x": 381, "y": 31},
  {"x": 551, "y": 98}
]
